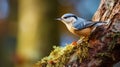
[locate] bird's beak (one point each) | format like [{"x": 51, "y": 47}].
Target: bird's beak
[{"x": 59, "y": 19}]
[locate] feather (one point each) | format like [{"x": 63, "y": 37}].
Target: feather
[{"x": 78, "y": 25}]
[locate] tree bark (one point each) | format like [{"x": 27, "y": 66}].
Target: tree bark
[{"x": 103, "y": 48}]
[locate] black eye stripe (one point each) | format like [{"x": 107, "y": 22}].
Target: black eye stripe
[
  {"x": 71, "y": 16},
  {"x": 75, "y": 17}
]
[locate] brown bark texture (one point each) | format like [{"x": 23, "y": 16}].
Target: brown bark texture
[
  {"x": 105, "y": 40},
  {"x": 103, "y": 47}
]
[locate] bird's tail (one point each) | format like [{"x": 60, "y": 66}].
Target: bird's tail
[{"x": 96, "y": 24}]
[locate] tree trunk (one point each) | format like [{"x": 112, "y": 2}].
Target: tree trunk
[{"x": 103, "y": 48}]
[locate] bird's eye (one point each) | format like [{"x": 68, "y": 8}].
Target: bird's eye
[{"x": 65, "y": 17}]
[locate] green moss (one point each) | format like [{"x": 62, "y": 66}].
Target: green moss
[
  {"x": 103, "y": 54},
  {"x": 63, "y": 55},
  {"x": 113, "y": 42},
  {"x": 111, "y": 45}
]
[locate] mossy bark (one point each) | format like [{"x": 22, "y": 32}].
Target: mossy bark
[{"x": 103, "y": 47}]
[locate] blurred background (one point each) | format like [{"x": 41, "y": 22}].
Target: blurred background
[{"x": 28, "y": 29}]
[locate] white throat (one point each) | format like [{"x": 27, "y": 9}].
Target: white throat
[{"x": 69, "y": 26}]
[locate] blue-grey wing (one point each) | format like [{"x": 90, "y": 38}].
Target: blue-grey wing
[
  {"x": 81, "y": 25},
  {"x": 85, "y": 24},
  {"x": 78, "y": 25}
]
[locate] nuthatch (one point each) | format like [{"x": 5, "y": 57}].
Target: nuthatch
[{"x": 79, "y": 26}]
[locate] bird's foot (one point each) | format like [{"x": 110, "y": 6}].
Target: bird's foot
[
  {"x": 74, "y": 43},
  {"x": 81, "y": 40}
]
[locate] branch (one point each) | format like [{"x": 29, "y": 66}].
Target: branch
[{"x": 103, "y": 48}]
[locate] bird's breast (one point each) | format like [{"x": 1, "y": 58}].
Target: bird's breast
[{"x": 84, "y": 32}]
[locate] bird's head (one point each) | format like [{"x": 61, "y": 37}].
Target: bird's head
[{"x": 68, "y": 18}]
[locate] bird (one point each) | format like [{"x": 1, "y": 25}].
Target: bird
[{"x": 79, "y": 26}]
